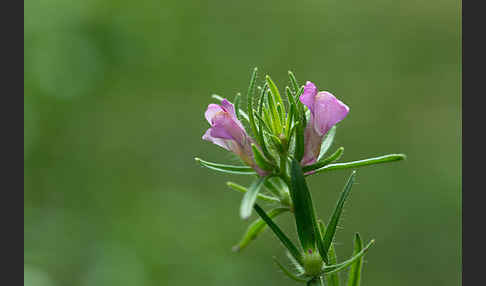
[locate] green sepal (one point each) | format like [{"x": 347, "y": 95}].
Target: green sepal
[
  {"x": 280, "y": 235},
  {"x": 260, "y": 159},
  {"x": 338, "y": 267},
  {"x": 361, "y": 163},
  {"x": 249, "y": 95},
  {"x": 332, "y": 225},
  {"x": 232, "y": 169},
  {"x": 257, "y": 227},
  {"x": 239, "y": 111},
  {"x": 354, "y": 275},
  {"x": 250, "y": 197},
  {"x": 241, "y": 189},
  {"x": 305, "y": 219},
  {"x": 237, "y": 104},
  {"x": 334, "y": 156},
  {"x": 288, "y": 273},
  {"x": 332, "y": 279},
  {"x": 329, "y": 138}
]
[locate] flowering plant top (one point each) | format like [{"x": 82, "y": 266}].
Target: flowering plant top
[{"x": 281, "y": 144}]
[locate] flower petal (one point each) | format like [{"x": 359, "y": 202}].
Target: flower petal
[
  {"x": 218, "y": 141},
  {"x": 228, "y": 107},
  {"x": 328, "y": 112},
  {"x": 211, "y": 111},
  {"x": 308, "y": 96}
]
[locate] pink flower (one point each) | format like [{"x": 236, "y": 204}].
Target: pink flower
[
  {"x": 228, "y": 132},
  {"x": 325, "y": 112}
]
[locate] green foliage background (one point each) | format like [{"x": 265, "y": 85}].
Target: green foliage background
[{"x": 114, "y": 98}]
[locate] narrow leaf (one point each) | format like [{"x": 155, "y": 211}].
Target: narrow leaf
[
  {"x": 299, "y": 141},
  {"x": 241, "y": 189},
  {"x": 335, "y": 156},
  {"x": 305, "y": 219},
  {"x": 249, "y": 96},
  {"x": 292, "y": 111},
  {"x": 338, "y": 267},
  {"x": 316, "y": 281},
  {"x": 250, "y": 197},
  {"x": 287, "y": 272},
  {"x": 270, "y": 185},
  {"x": 293, "y": 82},
  {"x": 280, "y": 235},
  {"x": 331, "y": 227},
  {"x": 257, "y": 227},
  {"x": 237, "y": 104},
  {"x": 354, "y": 276},
  {"x": 360, "y": 163},
  {"x": 275, "y": 92},
  {"x": 262, "y": 98},
  {"x": 260, "y": 159},
  {"x": 333, "y": 279},
  {"x": 329, "y": 138},
  {"x": 241, "y": 170},
  {"x": 272, "y": 105}
]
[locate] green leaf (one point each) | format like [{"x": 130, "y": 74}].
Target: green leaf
[
  {"x": 338, "y": 267},
  {"x": 305, "y": 218},
  {"x": 360, "y": 163},
  {"x": 333, "y": 279},
  {"x": 275, "y": 117},
  {"x": 287, "y": 272},
  {"x": 331, "y": 227},
  {"x": 327, "y": 142},
  {"x": 241, "y": 189},
  {"x": 250, "y": 197},
  {"x": 241, "y": 170},
  {"x": 299, "y": 141},
  {"x": 291, "y": 114},
  {"x": 262, "y": 98},
  {"x": 316, "y": 281},
  {"x": 280, "y": 235},
  {"x": 237, "y": 104},
  {"x": 249, "y": 96},
  {"x": 260, "y": 159},
  {"x": 257, "y": 227},
  {"x": 261, "y": 139},
  {"x": 273, "y": 188},
  {"x": 354, "y": 275},
  {"x": 275, "y": 93},
  {"x": 240, "y": 111},
  {"x": 293, "y": 82},
  {"x": 301, "y": 106},
  {"x": 335, "y": 156}
]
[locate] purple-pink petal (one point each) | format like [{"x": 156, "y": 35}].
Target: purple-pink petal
[
  {"x": 308, "y": 96},
  {"x": 211, "y": 111},
  {"x": 328, "y": 112},
  {"x": 218, "y": 141}
]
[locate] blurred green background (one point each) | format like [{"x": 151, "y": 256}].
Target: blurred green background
[{"x": 114, "y": 98}]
